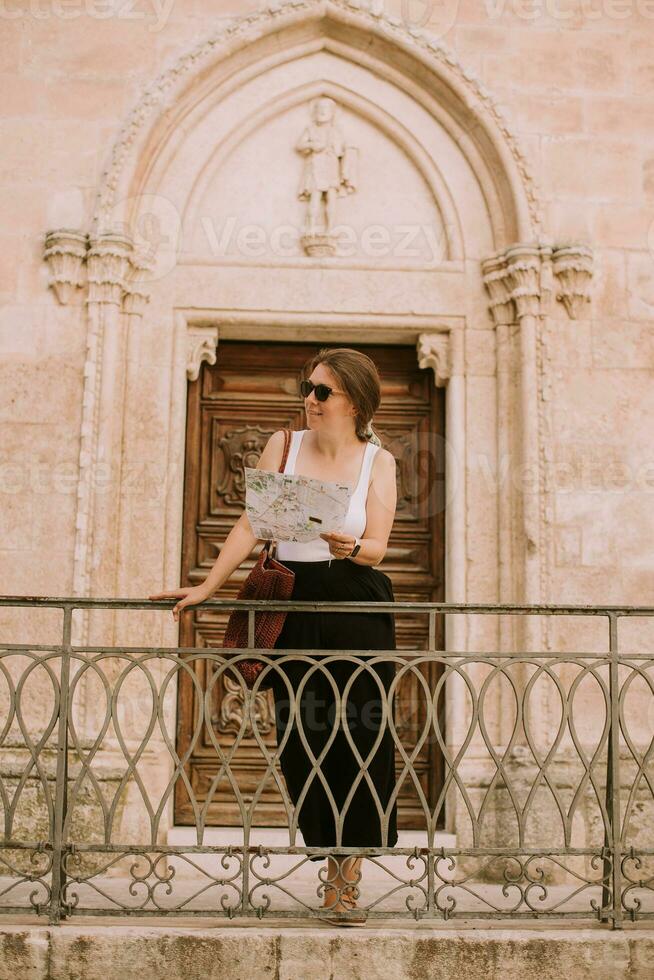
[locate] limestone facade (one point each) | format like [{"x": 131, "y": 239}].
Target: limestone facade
[{"x": 499, "y": 215}]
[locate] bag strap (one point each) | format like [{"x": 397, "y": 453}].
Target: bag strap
[
  {"x": 269, "y": 545},
  {"x": 287, "y": 446}
]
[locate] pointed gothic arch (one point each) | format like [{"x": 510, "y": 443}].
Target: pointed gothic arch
[{"x": 408, "y": 58}]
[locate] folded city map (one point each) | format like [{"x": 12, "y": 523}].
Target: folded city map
[{"x": 293, "y": 508}]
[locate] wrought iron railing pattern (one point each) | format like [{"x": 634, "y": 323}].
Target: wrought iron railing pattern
[{"x": 556, "y": 821}]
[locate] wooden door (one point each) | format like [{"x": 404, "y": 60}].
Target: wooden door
[{"x": 233, "y": 408}]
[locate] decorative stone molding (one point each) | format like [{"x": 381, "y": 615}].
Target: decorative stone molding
[
  {"x": 247, "y": 29},
  {"x": 202, "y": 344},
  {"x": 573, "y": 267},
  {"x": 434, "y": 351},
  {"x": 65, "y": 252},
  {"x": 523, "y": 278},
  {"x": 496, "y": 280},
  {"x": 519, "y": 279},
  {"x": 108, "y": 264},
  {"x": 135, "y": 295}
]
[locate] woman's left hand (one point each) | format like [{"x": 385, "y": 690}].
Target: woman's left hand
[{"x": 340, "y": 545}]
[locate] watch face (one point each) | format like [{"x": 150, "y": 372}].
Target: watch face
[{"x": 355, "y": 551}]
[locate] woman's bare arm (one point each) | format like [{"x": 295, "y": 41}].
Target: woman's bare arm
[
  {"x": 241, "y": 539},
  {"x": 238, "y": 544}
]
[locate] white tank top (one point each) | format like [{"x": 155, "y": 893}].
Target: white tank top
[{"x": 355, "y": 519}]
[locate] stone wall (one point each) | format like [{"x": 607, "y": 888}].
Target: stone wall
[{"x": 566, "y": 89}]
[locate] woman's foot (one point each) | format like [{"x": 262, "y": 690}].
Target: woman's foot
[
  {"x": 343, "y": 877},
  {"x": 343, "y": 903},
  {"x": 350, "y": 915}
]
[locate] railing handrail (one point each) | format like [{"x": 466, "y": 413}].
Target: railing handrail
[{"x": 492, "y": 608}]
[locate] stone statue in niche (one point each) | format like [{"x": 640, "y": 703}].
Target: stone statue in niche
[{"x": 329, "y": 171}]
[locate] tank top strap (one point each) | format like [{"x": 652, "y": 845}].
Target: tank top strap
[
  {"x": 293, "y": 449},
  {"x": 368, "y": 459}
]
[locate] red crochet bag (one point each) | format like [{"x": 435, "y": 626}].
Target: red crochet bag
[{"x": 268, "y": 579}]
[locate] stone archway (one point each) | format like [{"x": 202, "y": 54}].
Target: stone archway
[{"x": 449, "y": 152}]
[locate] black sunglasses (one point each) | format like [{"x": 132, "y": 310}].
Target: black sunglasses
[{"x": 322, "y": 391}]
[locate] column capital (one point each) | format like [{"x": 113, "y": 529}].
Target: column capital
[
  {"x": 65, "y": 252},
  {"x": 108, "y": 265},
  {"x": 496, "y": 281},
  {"x": 520, "y": 279},
  {"x": 573, "y": 267},
  {"x": 523, "y": 274},
  {"x": 107, "y": 262}
]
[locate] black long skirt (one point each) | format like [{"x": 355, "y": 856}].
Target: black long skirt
[{"x": 361, "y": 711}]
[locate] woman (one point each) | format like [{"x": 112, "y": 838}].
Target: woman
[{"x": 338, "y": 444}]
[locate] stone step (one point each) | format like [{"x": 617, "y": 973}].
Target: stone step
[{"x": 159, "y": 949}]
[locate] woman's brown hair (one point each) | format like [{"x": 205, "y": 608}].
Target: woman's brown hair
[{"x": 359, "y": 378}]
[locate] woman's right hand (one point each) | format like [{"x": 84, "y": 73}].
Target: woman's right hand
[{"x": 187, "y": 597}]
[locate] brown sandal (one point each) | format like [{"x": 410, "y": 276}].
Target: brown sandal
[{"x": 350, "y": 914}]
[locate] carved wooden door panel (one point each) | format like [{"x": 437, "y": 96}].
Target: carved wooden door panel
[{"x": 233, "y": 408}]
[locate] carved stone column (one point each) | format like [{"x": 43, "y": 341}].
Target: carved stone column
[
  {"x": 523, "y": 280},
  {"x": 502, "y": 309},
  {"x": 519, "y": 281},
  {"x": 108, "y": 265},
  {"x": 115, "y": 278},
  {"x": 115, "y": 299},
  {"x": 135, "y": 300}
]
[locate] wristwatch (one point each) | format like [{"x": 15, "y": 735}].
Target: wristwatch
[{"x": 355, "y": 549}]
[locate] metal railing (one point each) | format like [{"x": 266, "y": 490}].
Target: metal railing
[{"x": 558, "y": 820}]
